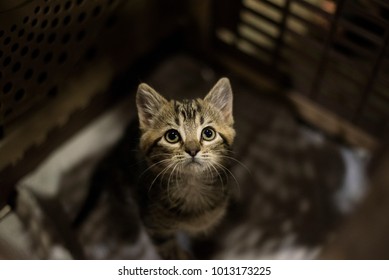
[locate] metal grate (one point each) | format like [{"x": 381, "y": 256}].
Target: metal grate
[{"x": 335, "y": 52}]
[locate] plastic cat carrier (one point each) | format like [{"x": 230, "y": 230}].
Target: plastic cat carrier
[{"x": 65, "y": 64}]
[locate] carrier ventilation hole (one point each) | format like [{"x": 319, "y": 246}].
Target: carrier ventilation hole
[
  {"x": 42, "y": 77},
  {"x": 96, "y": 11},
  {"x": 19, "y": 95},
  {"x": 8, "y": 112},
  {"x": 68, "y": 5},
  {"x": 67, "y": 20},
  {"x": 34, "y": 22},
  {"x": 16, "y": 67},
  {"x": 24, "y": 51},
  {"x": 62, "y": 58},
  {"x": 7, "y": 88},
  {"x": 66, "y": 38},
  {"x": 48, "y": 57},
  {"x": 30, "y": 36},
  {"x": 21, "y": 32},
  {"x": 55, "y": 22},
  {"x": 28, "y": 74},
  {"x": 7, "y": 40},
  {"x": 90, "y": 53},
  {"x": 81, "y": 17},
  {"x": 53, "y": 92},
  {"x": 80, "y": 35},
  {"x": 15, "y": 47},
  {"x": 57, "y": 8},
  {"x": 44, "y": 24},
  {"x": 51, "y": 38},
  {"x": 7, "y": 61},
  {"x": 35, "y": 53},
  {"x": 40, "y": 38}
]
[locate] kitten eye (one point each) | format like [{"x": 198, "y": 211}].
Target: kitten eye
[
  {"x": 172, "y": 136},
  {"x": 208, "y": 134}
]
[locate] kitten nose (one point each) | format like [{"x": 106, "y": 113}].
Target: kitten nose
[
  {"x": 192, "y": 148},
  {"x": 192, "y": 152}
]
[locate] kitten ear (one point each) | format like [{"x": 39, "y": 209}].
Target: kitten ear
[
  {"x": 148, "y": 103},
  {"x": 220, "y": 96}
]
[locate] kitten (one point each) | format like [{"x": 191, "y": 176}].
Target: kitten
[
  {"x": 186, "y": 146},
  {"x": 178, "y": 175}
]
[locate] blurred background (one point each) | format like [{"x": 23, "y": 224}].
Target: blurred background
[{"x": 311, "y": 110}]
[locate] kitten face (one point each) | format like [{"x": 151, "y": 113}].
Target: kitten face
[{"x": 189, "y": 136}]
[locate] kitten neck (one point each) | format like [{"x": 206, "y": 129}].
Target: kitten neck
[{"x": 196, "y": 193}]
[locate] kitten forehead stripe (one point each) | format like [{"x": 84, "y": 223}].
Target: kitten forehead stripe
[
  {"x": 201, "y": 120},
  {"x": 177, "y": 121},
  {"x": 199, "y": 108},
  {"x": 176, "y": 107}
]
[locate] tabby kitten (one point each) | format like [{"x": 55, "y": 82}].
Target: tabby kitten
[{"x": 186, "y": 146}]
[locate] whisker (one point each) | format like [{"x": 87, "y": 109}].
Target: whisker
[
  {"x": 232, "y": 175},
  {"x": 237, "y": 161},
  {"x": 218, "y": 174},
  {"x": 168, "y": 182},
  {"x": 220, "y": 153},
  {"x": 153, "y": 165},
  {"x": 180, "y": 166},
  {"x": 159, "y": 174},
  {"x": 159, "y": 155}
]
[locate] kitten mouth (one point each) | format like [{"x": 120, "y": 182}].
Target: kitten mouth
[{"x": 193, "y": 162}]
